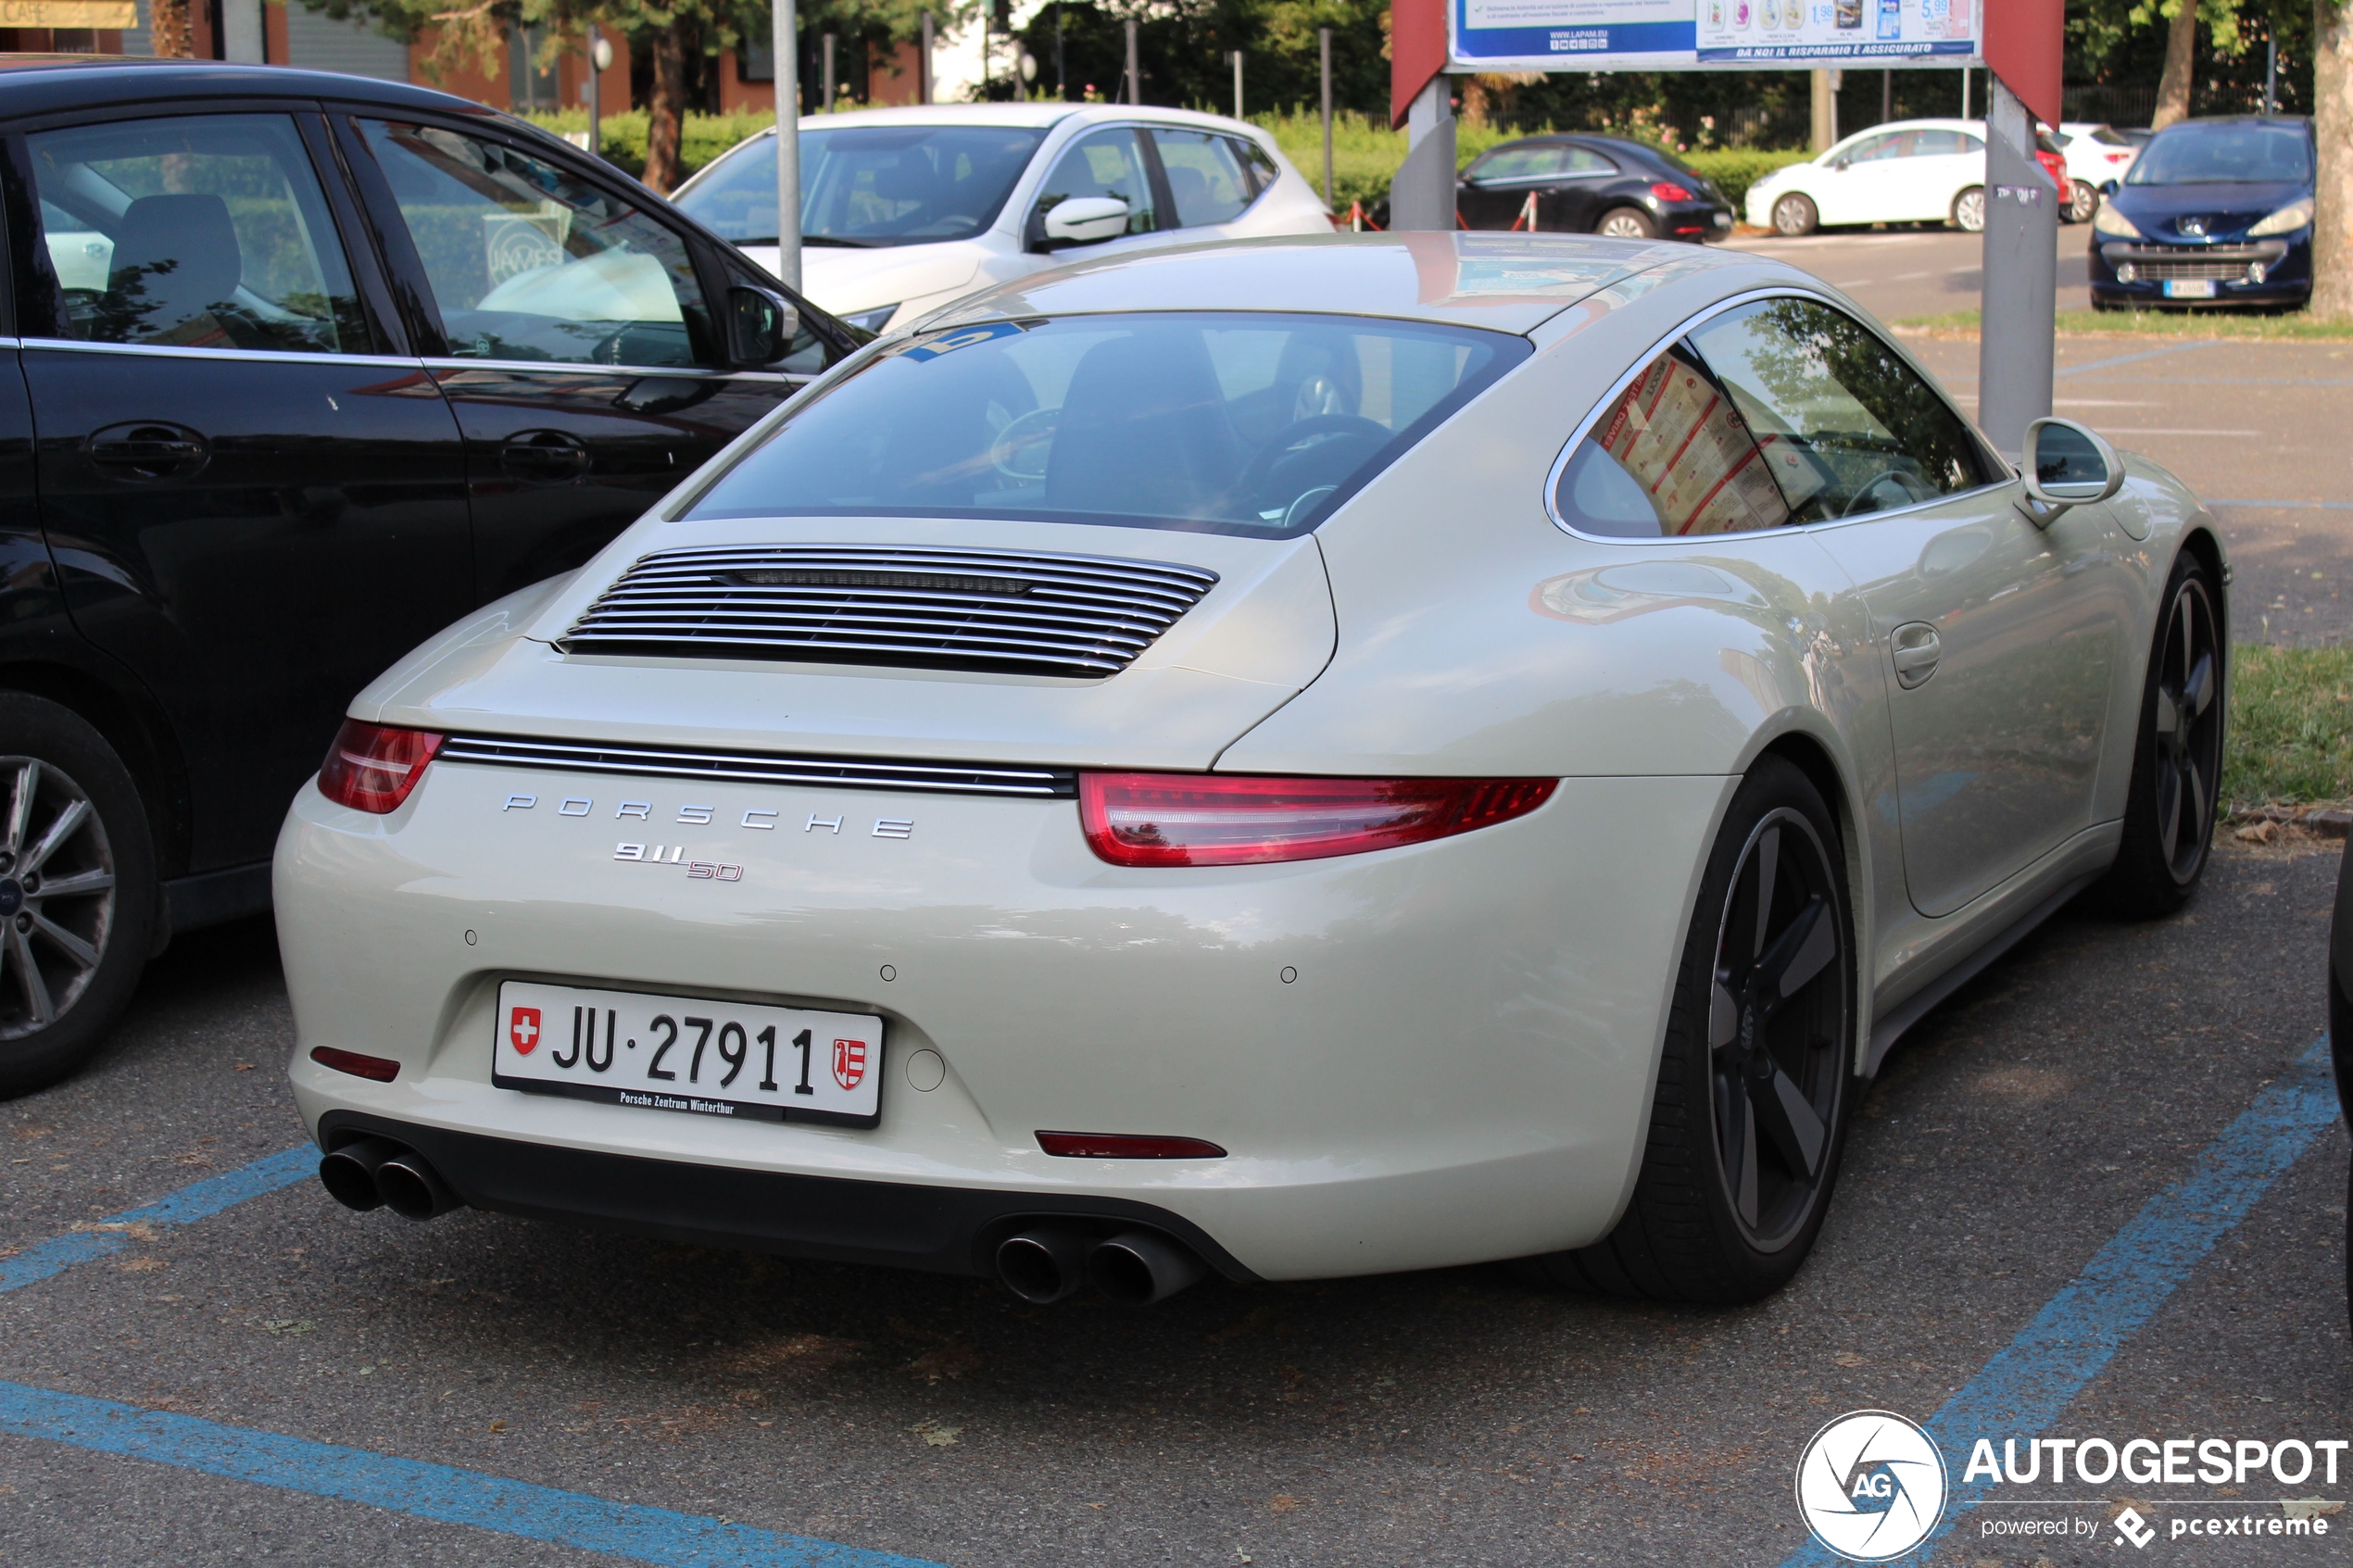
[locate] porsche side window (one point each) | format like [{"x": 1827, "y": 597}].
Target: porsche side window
[
  {"x": 203, "y": 232},
  {"x": 1853, "y": 429},
  {"x": 529, "y": 262},
  {"x": 1673, "y": 455}
]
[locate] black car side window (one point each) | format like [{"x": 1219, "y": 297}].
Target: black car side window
[
  {"x": 192, "y": 231},
  {"x": 528, "y": 261}
]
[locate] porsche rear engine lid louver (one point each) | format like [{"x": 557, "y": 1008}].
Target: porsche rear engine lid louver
[{"x": 940, "y": 608}]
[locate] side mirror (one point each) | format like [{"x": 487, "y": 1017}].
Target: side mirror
[
  {"x": 1085, "y": 220},
  {"x": 2108, "y": 187},
  {"x": 2067, "y": 465},
  {"x": 760, "y": 325}
]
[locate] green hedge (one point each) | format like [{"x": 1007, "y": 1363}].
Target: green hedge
[{"x": 703, "y": 137}]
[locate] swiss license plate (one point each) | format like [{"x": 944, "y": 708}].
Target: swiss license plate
[
  {"x": 2189, "y": 288},
  {"x": 690, "y": 1054}
]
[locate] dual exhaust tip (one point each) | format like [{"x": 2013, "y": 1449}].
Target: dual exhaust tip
[
  {"x": 1052, "y": 1262},
  {"x": 380, "y": 1173}
]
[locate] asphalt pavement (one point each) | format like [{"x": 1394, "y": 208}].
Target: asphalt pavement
[{"x": 312, "y": 1385}]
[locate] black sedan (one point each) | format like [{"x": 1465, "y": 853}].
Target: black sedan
[
  {"x": 302, "y": 367},
  {"x": 1589, "y": 185},
  {"x": 2213, "y": 211}
]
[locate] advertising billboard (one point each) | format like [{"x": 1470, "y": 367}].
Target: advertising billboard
[{"x": 1696, "y": 34}]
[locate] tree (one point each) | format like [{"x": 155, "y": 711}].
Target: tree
[
  {"x": 169, "y": 32},
  {"x": 2181, "y": 49},
  {"x": 2332, "y": 133}
]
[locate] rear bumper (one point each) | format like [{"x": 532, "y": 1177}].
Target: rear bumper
[
  {"x": 1418, "y": 1058},
  {"x": 942, "y": 1230}
]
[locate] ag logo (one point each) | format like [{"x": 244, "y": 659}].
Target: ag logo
[
  {"x": 522, "y": 1028},
  {"x": 1871, "y": 1486}
]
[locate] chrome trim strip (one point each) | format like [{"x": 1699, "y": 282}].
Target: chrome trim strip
[
  {"x": 938, "y": 778},
  {"x": 174, "y": 351},
  {"x": 679, "y": 373},
  {"x": 1618, "y": 390}
]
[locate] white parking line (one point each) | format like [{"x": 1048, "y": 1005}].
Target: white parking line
[{"x": 2171, "y": 430}]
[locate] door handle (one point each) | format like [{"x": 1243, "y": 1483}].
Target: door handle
[
  {"x": 545, "y": 457},
  {"x": 147, "y": 451},
  {"x": 1916, "y": 648}
]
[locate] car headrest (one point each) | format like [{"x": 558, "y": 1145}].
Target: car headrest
[{"x": 176, "y": 254}]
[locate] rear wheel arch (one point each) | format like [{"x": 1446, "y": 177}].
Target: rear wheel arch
[{"x": 139, "y": 734}]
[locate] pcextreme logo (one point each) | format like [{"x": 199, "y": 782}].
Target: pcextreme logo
[{"x": 1871, "y": 1486}]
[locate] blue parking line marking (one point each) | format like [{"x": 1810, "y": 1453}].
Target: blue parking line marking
[
  {"x": 2134, "y": 358},
  {"x": 2285, "y": 506},
  {"x": 2031, "y": 1382},
  {"x": 425, "y": 1491},
  {"x": 191, "y": 1203}
]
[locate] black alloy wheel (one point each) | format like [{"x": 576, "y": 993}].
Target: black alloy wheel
[
  {"x": 77, "y": 890},
  {"x": 2177, "y": 755},
  {"x": 1777, "y": 1019},
  {"x": 1755, "y": 1077}
]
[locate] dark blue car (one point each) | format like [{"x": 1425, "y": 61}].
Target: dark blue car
[{"x": 2214, "y": 211}]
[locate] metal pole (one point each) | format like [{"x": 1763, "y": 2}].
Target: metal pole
[
  {"x": 787, "y": 42},
  {"x": 1324, "y": 43},
  {"x": 1886, "y": 96},
  {"x": 596, "y": 95},
  {"x": 2271, "y": 75},
  {"x": 1422, "y": 194},
  {"x": 1238, "y": 84},
  {"x": 1964, "y": 75},
  {"x": 2014, "y": 342},
  {"x": 1135, "y": 75},
  {"x": 923, "y": 81},
  {"x": 1062, "y": 77},
  {"x": 829, "y": 73},
  {"x": 1824, "y": 129}
]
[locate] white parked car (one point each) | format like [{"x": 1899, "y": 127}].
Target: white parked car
[
  {"x": 1908, "y": 171},
  {"x": 1297, "y": 758},
  {"x": 2095, "y": 154},
  {"x": 905, "y": 209}
]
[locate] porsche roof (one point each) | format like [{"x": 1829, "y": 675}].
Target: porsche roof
[{"x": 1507, "y": 282}]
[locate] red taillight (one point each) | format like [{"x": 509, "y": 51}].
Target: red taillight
[
  {"x": 1126, "y": 1145},
  {"x": 1206, "y": 819},
  {"x": 381, "y": 1069},
  {"x": 373, "y": 767},
  {"x": 1667, "y": 192}
]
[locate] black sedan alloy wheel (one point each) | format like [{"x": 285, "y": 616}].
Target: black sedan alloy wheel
[
  {"x": 1776, "y": 1023},
  {"x": 57, "y": 895}
]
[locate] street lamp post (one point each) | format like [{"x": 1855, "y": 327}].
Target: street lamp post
[{"x": 786, "y": 35}]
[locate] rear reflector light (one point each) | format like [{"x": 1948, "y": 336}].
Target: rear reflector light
[
  {"x": 1667, "y": 192},
  {"x": 1126, "y": 1145},
  {"x": 1206, "y": 820},
  {"x": 373, "y": 767},
  {"x": 375, "y": 1066}
]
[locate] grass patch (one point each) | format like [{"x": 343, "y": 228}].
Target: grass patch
[
  {"x": 2154, "y": 323},
  {"x": 2291, "y": 740}
]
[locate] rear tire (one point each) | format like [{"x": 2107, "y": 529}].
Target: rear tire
[
  {"x": 1626, "y": 223},
  {"x": 77, "y": 891},
  {"x": 2084, "y": 203},
  {"x": 1968, "y": 210},
  {"x": 2177, "y": 754},
  {"x": 1755, "y": 1085},
  {"x": 1796, "y": 216}
]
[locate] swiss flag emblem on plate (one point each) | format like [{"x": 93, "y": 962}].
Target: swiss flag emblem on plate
[
  {"x": 522, "y": 1028},
  {"x": 849, "y": 1062}
]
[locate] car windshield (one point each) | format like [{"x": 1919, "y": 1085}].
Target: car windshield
[
  {"x": 1226, "y": 423},
  {"x": 2225, "y": 151},
  {"x": 870, "y": 184}
]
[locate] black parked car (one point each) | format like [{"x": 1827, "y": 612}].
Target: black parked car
[
  {"x": 1590, "y": 185},
  {"x": 2212, "y": 211},
  {"x": 300, "y": 368}
]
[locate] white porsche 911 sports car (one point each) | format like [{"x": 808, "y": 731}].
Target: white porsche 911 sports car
[{"x": 1298, "y": 759}]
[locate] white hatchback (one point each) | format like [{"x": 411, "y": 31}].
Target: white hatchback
[
  {"x": 1908, "y": 171},
  {"x": 905, "y": 209}
]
